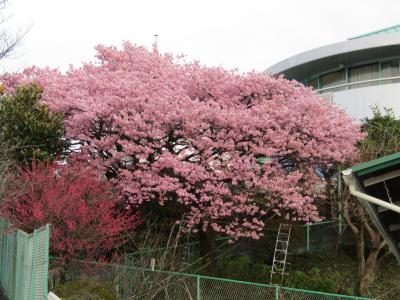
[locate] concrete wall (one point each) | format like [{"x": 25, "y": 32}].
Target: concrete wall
[{"x": 357, "y": 102}]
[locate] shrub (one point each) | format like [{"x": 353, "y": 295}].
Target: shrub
[
  {"x": 83, "y": 210},
  {"x": 312, "y": 280},
  {"x": 30, "y": 125},
  {"x": 243, "y": 268}
]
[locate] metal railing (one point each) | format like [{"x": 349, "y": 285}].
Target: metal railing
[
  {"x": 142, "y": 283},
  {"x": 344, "y": 86},
  {"x": 24, "y": 262}
]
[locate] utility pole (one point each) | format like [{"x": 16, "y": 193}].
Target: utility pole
[{"x": 155, "y": 44}]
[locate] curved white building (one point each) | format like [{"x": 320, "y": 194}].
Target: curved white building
[{"x": 355, "y": 74}]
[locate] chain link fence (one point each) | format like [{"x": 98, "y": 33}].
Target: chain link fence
[
  {"x": 140, "y": 283},
  {"x": 184, "y": 252},
  {"x": 322, "y": 236},
  {"x": 317, "y": 237},
  {"x": 24, "y": 262}
]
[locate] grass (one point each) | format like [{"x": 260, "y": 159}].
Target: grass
[
  {"x": 387, "y": 284},
  {"x": 342, "y": 269}
]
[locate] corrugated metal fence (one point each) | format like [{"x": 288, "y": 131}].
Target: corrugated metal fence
[{"x": 24, "y": 262}]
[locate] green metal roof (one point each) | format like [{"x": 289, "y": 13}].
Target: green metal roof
[
  {"x": 377, "y": 164},
  {"x": 392, "y": 29}
]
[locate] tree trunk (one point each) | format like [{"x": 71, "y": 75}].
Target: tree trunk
[
  {"x": 369, "y": 274},
  {"x": 208, "y": 248},
  {"x": 361, "y": 252}
]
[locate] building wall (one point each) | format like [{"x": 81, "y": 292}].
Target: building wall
[
  {"x": 358, "y": 102},
  {"x": 329, "y": 58}
]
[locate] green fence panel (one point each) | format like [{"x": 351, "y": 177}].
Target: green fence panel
[
  {"x": 141, "y": 283},
  {"x": 24, "y": 262},
  {"x": 41, "y": 263},
  {"x": 20, "y": 281},
  {"x": 299, "y": 294},
  {"x": 224, "y": 289}
]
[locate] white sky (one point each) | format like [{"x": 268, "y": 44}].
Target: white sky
[{"x": 248, "y": 35}]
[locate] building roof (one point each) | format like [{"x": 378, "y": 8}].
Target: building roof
[
  {"x": 331, "y": 57},
  {"x": 391, "y": 29},
  {"x": 378, "y": 181},
  {"x": 377, "y": 164}
]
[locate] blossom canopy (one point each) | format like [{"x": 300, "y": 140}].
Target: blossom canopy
[{"x": 232, "y": 149}]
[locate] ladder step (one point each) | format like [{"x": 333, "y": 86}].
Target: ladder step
[{"x": 281, "y": 251}]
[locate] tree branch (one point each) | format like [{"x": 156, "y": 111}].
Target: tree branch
[{"x": 346, "y": 215}]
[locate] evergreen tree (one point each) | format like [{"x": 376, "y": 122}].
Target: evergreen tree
[{"x": 29, "y": 125}]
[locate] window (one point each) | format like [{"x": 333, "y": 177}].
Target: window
[
  {"x": 390, "y": 69},
  {"x": 333, "y": 79},
  {"x": 355, "y": 77},
  {"x": 313, "y": 83},
  {"x": 363, "y": 73}
]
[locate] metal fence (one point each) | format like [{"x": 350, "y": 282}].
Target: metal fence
[
  {"x": 183, "y": 251},
  {"x": 24, "y": 262},
  {"x": 325, "y": 236},
  {"x": 317, "y": 237},
  {"x": 141, "y": 283}
]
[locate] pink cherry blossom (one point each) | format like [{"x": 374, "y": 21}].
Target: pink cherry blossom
[{"x": 167, "y": 130}]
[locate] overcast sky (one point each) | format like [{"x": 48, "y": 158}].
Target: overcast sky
[{"x": 248, "y": 35}]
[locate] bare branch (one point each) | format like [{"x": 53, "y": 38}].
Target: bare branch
[{"x": 9, "y": 40}]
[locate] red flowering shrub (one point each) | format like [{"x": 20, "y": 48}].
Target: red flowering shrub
[{"x": 82, "y": 209}]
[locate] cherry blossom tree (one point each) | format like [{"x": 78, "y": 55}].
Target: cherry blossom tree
[
  {"x": 85, "y": 217},
  {"x": 226, "y": 150}
]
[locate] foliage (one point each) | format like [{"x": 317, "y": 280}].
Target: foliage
[
  {"x": 86, "y": 289},
  {"x": 242, "y": 268},
  {"x": 311, "y": 281},
  {"x": 26, "y": 123},
  {"x": 383, "y": 136},
  {"x": 82, "y": 210},
  {"x": 341, "y": 267},
  {"x": 6, "y": 166},
  {"x": 307, "y": 277},
  {"x": 226, "y": 150}
]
